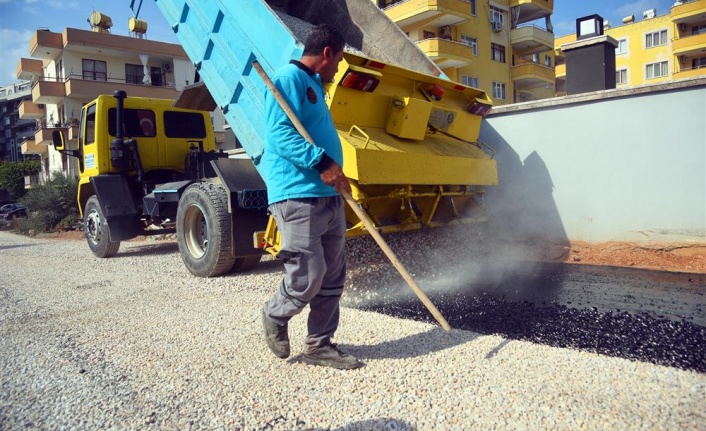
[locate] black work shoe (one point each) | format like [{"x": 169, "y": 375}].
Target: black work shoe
[
  {"x": 276, "y": 336},
  {"x": 328, "y": 355}
]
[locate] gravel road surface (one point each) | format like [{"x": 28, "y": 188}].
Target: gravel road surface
[{"x": 136, "y": 342}]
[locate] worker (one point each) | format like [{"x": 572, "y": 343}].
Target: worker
[{"x": 303, "y": 186}]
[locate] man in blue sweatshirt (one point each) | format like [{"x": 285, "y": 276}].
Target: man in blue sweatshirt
[{"x": 303, "y": 185}]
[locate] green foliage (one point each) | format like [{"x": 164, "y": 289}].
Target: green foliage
[
  {"x": 12, "y": 175},
  {"x": 52, "y": 206}
]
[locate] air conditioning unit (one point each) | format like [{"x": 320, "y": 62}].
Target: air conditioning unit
[
  {"x": 445, "y": 32},
  {"x": 167, "y": 67},
  {"x": 682, "y": 59},
  {"x": 497, "y": 26}
]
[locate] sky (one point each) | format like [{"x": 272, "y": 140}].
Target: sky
[{"x": 19, "y": 19}]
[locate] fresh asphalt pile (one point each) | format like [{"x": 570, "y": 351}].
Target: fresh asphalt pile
[
  {"x": 136, "y": 342},
  {"x": 530, "y": 302}
]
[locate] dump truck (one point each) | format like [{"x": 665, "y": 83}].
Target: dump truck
[{"x": 409, "y": 135}]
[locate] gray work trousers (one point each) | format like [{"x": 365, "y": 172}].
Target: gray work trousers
[{"x": 313, "y": 234}]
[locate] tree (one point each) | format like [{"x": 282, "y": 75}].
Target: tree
[{"x": 12, "y": 175}]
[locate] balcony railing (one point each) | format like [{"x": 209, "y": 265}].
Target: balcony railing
[
  {"x": 29, "y": 110},
  {"x": 689, "y": 44},
  {"x": 443, "y": 12},
  {"x": 529, "y": 39},
  {"x": 54, "y": 90},
  {"x": 447, "y": 53},
  {"x": 687, "y": 10},
  {"x": 694, "y": 72},
  {"x": 87, "y": 89},
  {"x": 530, "y": 10},
  {"x": 528, "y": 74}
]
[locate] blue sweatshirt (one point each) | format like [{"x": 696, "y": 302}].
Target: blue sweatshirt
[{"x": 290, "y": 163}]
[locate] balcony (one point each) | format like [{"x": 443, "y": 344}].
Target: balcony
[
  {"x": 447, "y": 53},
  {"x": 528, "y": 75},
  {"x": 689, "y": 12},
  {"x": 423, "y": 12},
  {"x": 531, "y": 10},
  {"x": 86, "y": 90},
  {"x": 29, "y": 110},
  {"x": 560, "y": 71},
  {"x": 531, "y": 39},
  {"x": 48, "y": 91},
  {"x": 699, "y": 72},
  {"x": 45, "y": 45},
  {"x": 29, "y": 68},
  {"x": 29, "y": 146},
  {"x": 689, "y": 45},
  {"x": 43, "y": 135}
]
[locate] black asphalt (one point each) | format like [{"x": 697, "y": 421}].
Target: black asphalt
[{"x": 651, "y": 316}]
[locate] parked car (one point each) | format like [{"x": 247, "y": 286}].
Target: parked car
[
  {"x": 13, "y": 211},
  {"x": 10, "y": 207}
]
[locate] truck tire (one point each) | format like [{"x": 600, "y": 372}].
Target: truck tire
[
  {"x": 97, "y": 230},
  {"x": 204, "y": 230},
  {"x": 245, "y": 263}
]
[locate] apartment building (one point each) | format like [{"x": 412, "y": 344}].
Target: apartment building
[
  {"x": 13, "y": 129},
  {"x": 655, "y": 48},
  {"x": 504, "y": 47},
  {"x": 71, "y": 68}
]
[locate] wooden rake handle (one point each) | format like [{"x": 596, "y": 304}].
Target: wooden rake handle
[{"x": 354, "y": 205}]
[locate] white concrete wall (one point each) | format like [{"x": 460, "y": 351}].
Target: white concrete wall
[{"x": 619, "y": 165}]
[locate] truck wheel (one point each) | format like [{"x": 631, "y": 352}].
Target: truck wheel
[
  {"x": 204, "y": 230},
  {"x": 245, "y": 263},
  {"x": 97, "y": 230}
]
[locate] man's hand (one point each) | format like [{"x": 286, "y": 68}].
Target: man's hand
[{"x": 333, "y": 176}]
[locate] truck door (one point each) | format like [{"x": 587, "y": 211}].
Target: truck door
[
  {"x": 141, "y": 125},
  {"x": 87, "y": 142}
]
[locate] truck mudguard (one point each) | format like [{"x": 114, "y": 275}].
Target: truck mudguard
[{"x": 117, "y": 205}]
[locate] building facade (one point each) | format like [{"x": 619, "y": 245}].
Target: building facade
[
  {"x": 654, "y": 50},
  {"x": 13, "y": 129},
  {"x": 69, "y": 69},
  {"x": 504, "y": 47}
]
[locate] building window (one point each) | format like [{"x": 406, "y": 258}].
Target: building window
[
  {"x": 59, "y": 69},
  {"x": 473, "y": 7},
  {"x": 657, "y": 70},
  {"x": 698, "y": 63},
  {"x": 699, "y": 29},
  {"x": 497, "y": 15},
  {"x": 621, "y": 77},
  {"x": 95, "y": 70},
  {"x": 470, "y": 41},
  {"x": 134, "y": 73},
  {"x": 497, "y": 52},
  {"x": 156, "y": 76},
  {"x": 535, "y": 58},
  {"x": 470, "y": 81},
  {"x": 656, "y": 38},
  {"x": 427, "y": 35},
  {"x": 548, "y": 60},
  {"x": 622, "y": 47},
  {"x": 498, "y": 90}
]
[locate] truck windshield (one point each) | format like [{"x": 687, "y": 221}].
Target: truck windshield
[{"x": 137, "y": 123}]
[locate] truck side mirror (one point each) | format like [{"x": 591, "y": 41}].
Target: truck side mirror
[{"x": 57, "y": 137}]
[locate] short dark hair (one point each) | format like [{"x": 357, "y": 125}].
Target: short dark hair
[{"x": 320, "y": 37}]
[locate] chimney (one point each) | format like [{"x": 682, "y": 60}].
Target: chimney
[{"x": 590, "y": 61}]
